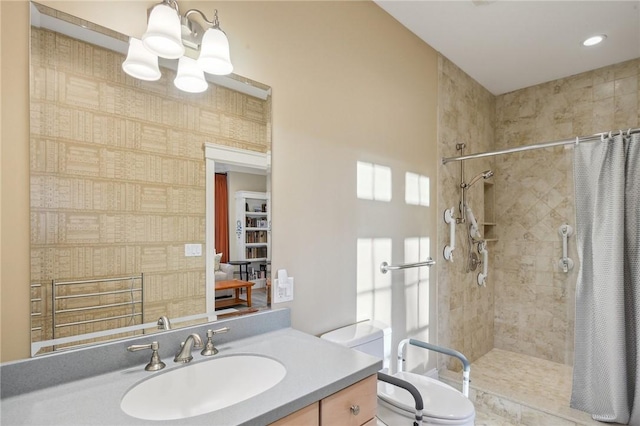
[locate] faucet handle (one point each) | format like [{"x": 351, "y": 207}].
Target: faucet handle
[
  {"x": 155, "y": 363},
  {"x": 209, "y": 349},
  {"x": 218, "y": 331}
]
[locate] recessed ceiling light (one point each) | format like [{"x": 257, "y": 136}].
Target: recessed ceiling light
[{"x": 592, "y": 41}]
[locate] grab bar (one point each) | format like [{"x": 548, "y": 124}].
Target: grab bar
[
  {"x": 415, "y": 393},
  {"x": 482, "y": 276},
  {"x": 384, "y": 267},
  {"x": 565, "y": 262},
  {"x": 466, "y": 371}
]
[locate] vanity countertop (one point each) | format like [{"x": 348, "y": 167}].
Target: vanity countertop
[{"x": 315, "y": 369}]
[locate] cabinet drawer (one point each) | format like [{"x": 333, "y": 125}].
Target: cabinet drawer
[
  {"x": 308, "y": 416},
  {"x": 353, "y": 406}
]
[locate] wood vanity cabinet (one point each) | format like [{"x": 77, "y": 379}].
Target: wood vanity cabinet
[
  {"x": 308, "y": 416},
  {"x": 352, "y": 406}
]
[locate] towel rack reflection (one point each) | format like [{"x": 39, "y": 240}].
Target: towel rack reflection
[
  {"x": 93, "y": 309},
  {"x": 384, "y": 267}
]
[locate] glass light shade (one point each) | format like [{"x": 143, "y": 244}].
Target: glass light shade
[
  {"x": 190, "y": 77},
  {"x": 214, "y": 53},
  {"x": 164, "y": 33},
  {"x": 141, "y": 63}
]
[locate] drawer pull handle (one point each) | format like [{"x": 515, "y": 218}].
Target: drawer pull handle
[{"x": 355, "y": 410}]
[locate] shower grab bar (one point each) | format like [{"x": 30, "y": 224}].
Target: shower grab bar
[
  {"x": 466, "y": 370},
  {"x": 451, "y": 221},
  {"x": 384, "y": 267},
  {"x": 482, "y": 276},
  {"x": 565, "y": 262}
]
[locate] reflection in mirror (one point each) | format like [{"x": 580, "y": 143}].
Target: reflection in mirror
[
  {"x": 119, "y": 226},
  {"x": 240, "y": 199}
]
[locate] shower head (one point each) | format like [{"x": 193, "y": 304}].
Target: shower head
[{"x": 484, "y": 175}]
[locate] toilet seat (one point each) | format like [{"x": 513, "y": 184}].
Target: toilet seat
[{"x": 441, "y": 401}]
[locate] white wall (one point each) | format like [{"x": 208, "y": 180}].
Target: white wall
[{"x": 349, "y": 84}]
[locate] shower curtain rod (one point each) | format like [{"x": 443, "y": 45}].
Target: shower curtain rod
[{"x": 577, "y": 140}]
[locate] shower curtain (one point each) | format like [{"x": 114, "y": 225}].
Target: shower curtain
[{"x": 606, "y": 379}]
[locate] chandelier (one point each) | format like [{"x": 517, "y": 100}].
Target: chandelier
[{"x": 168, "y": 35}]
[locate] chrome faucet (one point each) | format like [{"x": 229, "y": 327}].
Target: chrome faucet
[{"x": 193, "y": 341}]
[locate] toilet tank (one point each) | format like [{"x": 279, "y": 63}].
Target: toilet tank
[{"x": 370, "y": 337}]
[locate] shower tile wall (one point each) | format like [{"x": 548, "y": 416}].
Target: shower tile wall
[
  {"x": 528, "y": 305},
  {"x": 466, "y": 311},
  {"x": 534, "y": 299}
]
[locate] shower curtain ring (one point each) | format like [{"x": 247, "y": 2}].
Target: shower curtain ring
[
  {"x": 577, "y": 140},
  {"x": 602, "y": 137},
  {"x": 629, "y": 132}
]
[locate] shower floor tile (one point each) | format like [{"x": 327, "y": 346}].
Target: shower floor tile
[
  {"x": 521, "y": 389},
  {"x": 525, "y": 379}
]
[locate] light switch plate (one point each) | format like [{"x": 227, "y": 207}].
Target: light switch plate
[{"x": 192, "y": 250}]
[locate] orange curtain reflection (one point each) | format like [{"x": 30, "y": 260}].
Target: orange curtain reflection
[{"x": 222, "y": 216}]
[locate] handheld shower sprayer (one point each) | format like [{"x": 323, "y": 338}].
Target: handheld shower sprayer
[
  {"x": 474, "y": 229},
  {"x": 484, "y": 175},
  {"x": 464, "y": 186}
]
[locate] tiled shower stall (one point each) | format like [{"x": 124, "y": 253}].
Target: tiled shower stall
[{"x": 527, "y": 308}]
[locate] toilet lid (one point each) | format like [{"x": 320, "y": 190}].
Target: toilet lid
[{"x": 440, "y": 400}]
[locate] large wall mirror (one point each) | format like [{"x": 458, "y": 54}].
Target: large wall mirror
[{"x": 123, "y": 198}]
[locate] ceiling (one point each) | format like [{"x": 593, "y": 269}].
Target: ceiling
[{"x": 507, "y": 45}]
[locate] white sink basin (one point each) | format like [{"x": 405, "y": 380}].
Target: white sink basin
[{"x": 202, "y": 387}]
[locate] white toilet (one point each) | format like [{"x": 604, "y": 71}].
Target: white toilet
[{"x": 443, "y": 405}]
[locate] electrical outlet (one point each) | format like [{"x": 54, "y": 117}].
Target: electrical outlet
[{"x": 192, "y": 250}]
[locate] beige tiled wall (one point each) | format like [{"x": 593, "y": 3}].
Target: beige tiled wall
[
  {"x": 534, "y": 300},
  {"x": 465, "y": 115},
  {"x": 117, "y": 172}
]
